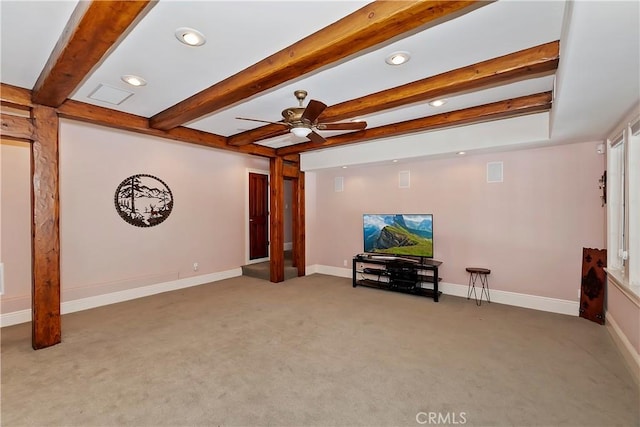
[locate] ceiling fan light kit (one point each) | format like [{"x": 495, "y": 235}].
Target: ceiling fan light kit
[
  {"x": 301, "y": 132},
  {"x": 303, "y": 121}
]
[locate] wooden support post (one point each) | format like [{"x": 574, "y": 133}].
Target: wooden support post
[
  {"x": 276, "y": 220},
  {"x": 45, "y": 229},
  {"x": 299, "y": 225},
  {"x": 294, "y": 222}
]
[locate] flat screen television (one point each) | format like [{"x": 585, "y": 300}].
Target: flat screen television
[{"x": 399, "y": 234}]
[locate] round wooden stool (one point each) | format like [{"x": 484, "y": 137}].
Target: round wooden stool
[{"x": 483, "y": 274}]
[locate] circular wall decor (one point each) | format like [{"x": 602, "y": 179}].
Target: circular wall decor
[{"x": 143, "y": 200}]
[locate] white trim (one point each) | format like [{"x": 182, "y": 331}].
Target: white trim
[
  {"x": 629, "y": 354},
  {"x": 247, "y": 244},
  {"x": 23, "y": 316},
  {"x": 332, "y": 271},
  {"x": 15, "y": 317},
  {"x": 535, "y": 302},
  {"x": 553, "y": 305}
]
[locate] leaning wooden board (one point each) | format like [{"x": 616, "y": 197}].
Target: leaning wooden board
[{"x": 593, "y": 284}]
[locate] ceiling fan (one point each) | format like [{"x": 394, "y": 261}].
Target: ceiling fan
[{"x": 302, "y": 121}]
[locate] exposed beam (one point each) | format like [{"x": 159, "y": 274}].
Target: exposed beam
[
  {"x": 14, "y": 96},
  {"x": 526, "y": 63},
  {"x": 98, "y": 115},
  {"x": 276, "y": 220},
  {"x": 497, "y": 110},
  {"x": 45, "y": 230},
  {"x": 290, "y": 171},
  {"x": 16, "y": 127},
  {"x": 371, "y": 25},
  {"x": 93, "y": 29}
]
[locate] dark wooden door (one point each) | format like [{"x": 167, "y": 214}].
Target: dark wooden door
[
  {"x": 258, "y": 216},
  {"x": 593, "y": 284}
]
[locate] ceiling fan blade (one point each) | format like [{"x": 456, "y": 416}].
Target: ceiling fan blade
[
  {"x": 342, "y": 126},
  {"x": 263, "y": 121},
  {"x": 313, "y": 110},
  {"x": 315, "y": 137}
]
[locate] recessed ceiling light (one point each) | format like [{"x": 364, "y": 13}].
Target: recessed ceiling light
[
  {"x": 395, "y": 160},
  {"x": 438, "y": 102},
  {"x": 460, "y": 153},
  {"x": 134, "y": 80},
  {"x": 190, "y": 37},
  {"x": 398, "y": 58},
  {"x": 344, "y": 167}
]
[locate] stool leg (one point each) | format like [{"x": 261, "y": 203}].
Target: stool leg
[
  {"x": 472, "y": 280},
  {"x": 472, "y": 287},
  {"x": 485, "y": 287}
]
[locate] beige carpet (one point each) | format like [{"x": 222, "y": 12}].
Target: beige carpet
[{"x": 314, "y": 351}]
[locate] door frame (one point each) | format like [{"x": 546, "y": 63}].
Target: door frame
[{"x": 247, "y": 243}]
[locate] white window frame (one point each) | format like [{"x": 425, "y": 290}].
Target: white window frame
[{"x": 623, "y": 207}]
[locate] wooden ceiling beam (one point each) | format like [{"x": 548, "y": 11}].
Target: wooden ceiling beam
[
  {"x": 102, "y": 116},
  {"x": 483, "y": 113},
  {"x": 15, "y": 97},
  {"x": 93, "y": 30},
  {"x": 371, "y": 25},
  {"x": 526, "y": 63}
]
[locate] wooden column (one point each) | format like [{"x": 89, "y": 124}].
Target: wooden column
[
  {"x": 45, "y": 229},
  {"x": 276, "y": 219},
  {"x": 299, "y": 225}
]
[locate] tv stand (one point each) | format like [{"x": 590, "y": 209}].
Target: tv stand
[{"x": 397, "y": 273}]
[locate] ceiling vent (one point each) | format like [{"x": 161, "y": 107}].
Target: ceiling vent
[{"x": 110, "y": 94}]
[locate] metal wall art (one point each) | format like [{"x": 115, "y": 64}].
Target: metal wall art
[{"x": 143, "y": 200}]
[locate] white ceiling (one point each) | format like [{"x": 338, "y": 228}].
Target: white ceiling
[{"x": 596, "y": 84}]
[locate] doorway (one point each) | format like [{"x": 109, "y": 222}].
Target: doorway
[{"x": 258, "y": 216}]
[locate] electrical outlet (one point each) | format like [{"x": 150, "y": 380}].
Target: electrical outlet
[
  {"x": 344, "y": 262},
  {"x": 196, "y": 266}
]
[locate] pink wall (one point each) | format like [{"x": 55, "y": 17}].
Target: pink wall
[
  {"x": 100, "y": 252},
  {"x": 15, "y": 227},
  {"x": 529, "y": 230}
]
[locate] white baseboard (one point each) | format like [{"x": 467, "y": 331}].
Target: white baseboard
[
  {"x": 331, "y": 271},
  {"x": 15, "y": 317},
  {"x": 553, "y": 305},
  {"x": 629, "y": 353},
  {"x": 535, "y": 302},
  {"x": 23, "y": 316}
]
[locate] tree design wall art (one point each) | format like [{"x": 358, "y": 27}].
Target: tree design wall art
[{"x": 143, "y": 200}]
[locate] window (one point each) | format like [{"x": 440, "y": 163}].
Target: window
[{"x": 623, "y": 206}]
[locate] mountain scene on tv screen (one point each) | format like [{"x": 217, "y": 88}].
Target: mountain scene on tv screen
[{"x": 399, "y": 234}]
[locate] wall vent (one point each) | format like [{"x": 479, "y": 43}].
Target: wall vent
[{"x": 338, "y": 184}]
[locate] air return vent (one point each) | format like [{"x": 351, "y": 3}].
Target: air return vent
[{"x": 110, "y": 94}]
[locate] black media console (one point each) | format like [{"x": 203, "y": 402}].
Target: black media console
[{"x": 397, "y": 273}]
